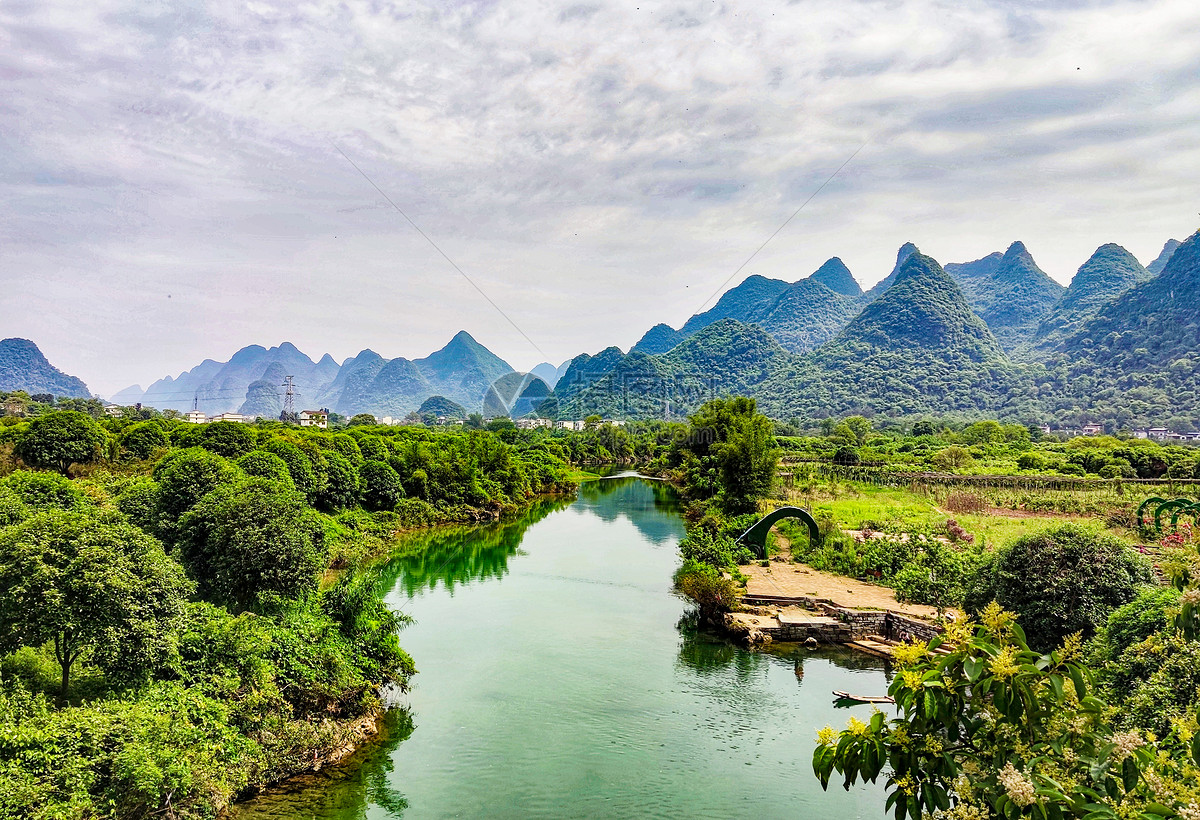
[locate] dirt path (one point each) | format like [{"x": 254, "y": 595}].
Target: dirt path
[
  {"x": 789, "y": 580},
  {"x": 785, "y": 578}
]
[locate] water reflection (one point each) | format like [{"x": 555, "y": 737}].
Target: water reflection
[{"x": 454, "y": 556}]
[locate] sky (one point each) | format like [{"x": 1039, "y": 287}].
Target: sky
[{"x": 178, "y": 179}]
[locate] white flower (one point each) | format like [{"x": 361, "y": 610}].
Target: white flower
[
  {"x": 1125, "y": 744},
  {"x": 1017, "y": 786}
]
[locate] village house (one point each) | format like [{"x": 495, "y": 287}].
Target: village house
[{"x": 314, "y": 418}]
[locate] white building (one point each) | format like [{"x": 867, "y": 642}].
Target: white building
[
  {"x": 314, "y": 418},
  {"x": 196, "y": 417},
  {"x": 236, "y": 418}
]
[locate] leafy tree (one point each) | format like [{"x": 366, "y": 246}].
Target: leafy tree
[
  {"x": 1060, "y": 581},
  {"x": 298, "y": 464},
  {"x": 186, "y": 476},
  {"x": 846, "y": 456},
  {"x": 341, "y": 484},
  {"x": 261, "y": 464},
  {"x": 356, "y": 602},
  {"x": 362, "y": 419},
  {"x": 59, "y": 439},
  {"x": 924, "y": 427},
  {"x": 382, "y": 488},
  {"x": 40, "y": 492},
  {"x": 953, "y": 457},
  {"x": 730, "y": 453},
  {"x": 89, "y": 584},
  {"x": 142, "y": 440},
  {"x": 251, "y": 539},
  {"x": 228, "y": 438},
  {"x": 988, "y": 727},
  {"x": 860, "y": 428}
]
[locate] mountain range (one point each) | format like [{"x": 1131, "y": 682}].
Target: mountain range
[
  {"x": 23, "y": 367},
  {"x": 992, "y": 336}
]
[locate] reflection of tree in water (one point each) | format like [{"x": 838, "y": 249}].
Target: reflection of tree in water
[
  {"x": 458, "y": 555},
  {"x": 343, "y": 791},
  {"x": 709, "y": 654},
  {"x": 651, "y": 506}
]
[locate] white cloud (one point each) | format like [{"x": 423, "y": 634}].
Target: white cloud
[{"x": 172, "y": 190}]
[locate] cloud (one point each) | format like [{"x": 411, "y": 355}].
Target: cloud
[{"x": 172, "y": 190}]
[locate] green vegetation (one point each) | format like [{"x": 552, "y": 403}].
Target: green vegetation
[{"x": 193, "y": 614}]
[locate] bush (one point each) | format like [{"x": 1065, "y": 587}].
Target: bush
[
  {"x": 142, "y": 440},
  {"x": 718, "y": 551},
  {"x": 1139, "y": 619},
  {"x": 704, "y": 584},
  {"x": 381, "y": 486},
  {"x": 39, "y": 492},
  {"x": 1059, "y": 581},
  {"x": 262, "y": 464},
  {"x": 252, "y": 539}
]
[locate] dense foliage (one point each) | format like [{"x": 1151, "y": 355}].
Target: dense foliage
[{"x": 171, "y": 632}]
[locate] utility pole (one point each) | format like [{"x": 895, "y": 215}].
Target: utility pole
[{"x": 289, "y": 402}]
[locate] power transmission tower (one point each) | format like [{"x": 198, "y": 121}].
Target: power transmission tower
[{"x": 289, "y": 403}]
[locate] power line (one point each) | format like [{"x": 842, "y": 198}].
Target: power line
[{"x": 443, "y": 254}]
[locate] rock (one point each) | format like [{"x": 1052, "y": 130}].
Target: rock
[{"x": 811, "y": 643}]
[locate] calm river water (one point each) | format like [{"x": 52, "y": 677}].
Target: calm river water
[{"x": 560, "y": 677}]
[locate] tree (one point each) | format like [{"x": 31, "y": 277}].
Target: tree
[
  {"x": 1060, "y": 581},
  {"x": 340, "y": 489},
  {"x": 731, "y": 453},
  {"x": 142, "y": 440},
  {"x": 953, "y": 457},
  {"x": 228, "y": 438},
  {"x": 362, "y": 419},
  {"x": 261, "y": 464},
  {"x": 59, "y": 439},
  {"x": 989, "y": 728},
  {"x": 245, "y": 541},
  {"x": 860, "y": 428},
  {"x": 381, "y": 486},
  {"x": 90, "y": 584},
  {"x": 186, "y": 476}
]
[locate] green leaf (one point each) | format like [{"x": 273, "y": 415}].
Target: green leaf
[
  {"x": 973, "y": 667},
  {"x": 1129, "y": 774},
  {"x": 1077, "y": 679}
]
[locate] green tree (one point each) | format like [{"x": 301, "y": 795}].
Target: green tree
[
  {"x": 251, "y": 539},
  {"x": 1060, "y": 581},
  {"x": 361, "y": 420},
  {"x": 730, "y": 453},
  {"x": 381, "y": 486},
  {"x": 341, "y": 485},
  {"x": 186, "y": 476},
  {"x": 59, "y": 439},
  {"x": 228, "y": 438},
  {"x": 261, "y": 464},
  {"x": 142, "y": 440},
  {"x": 989, "y": 728},
  {"x": 953, "y": 457},
  {"x": 91, "y": 584}
]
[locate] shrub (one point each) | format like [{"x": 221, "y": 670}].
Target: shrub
[
  {"x": 1059, "y": 581},
  {"x": 704, "y": 584}
]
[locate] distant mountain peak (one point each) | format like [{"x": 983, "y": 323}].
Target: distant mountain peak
[
  {"x": 906, "y": 250},
  {"x": 1164, "y": 256},
  {"x": 834, "y": 275},
  {"x": 24, "y": 367},
  {"x": 902, "y": 256}
]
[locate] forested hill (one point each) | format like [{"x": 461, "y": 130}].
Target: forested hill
[
  {"x": 1139, "y": 362},
  {"x": 23, "y": 367},
  {"x": 1108, "y": 273},
  {"x": 917, "y": 348},
  {"x": 1015, "y": 299},
  {"x": 1160, "y": 262}
]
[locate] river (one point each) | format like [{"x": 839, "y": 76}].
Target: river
[{"x": 559, "y": 676}]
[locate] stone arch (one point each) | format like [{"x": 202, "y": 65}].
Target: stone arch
[{"x": 756, "y": 536}]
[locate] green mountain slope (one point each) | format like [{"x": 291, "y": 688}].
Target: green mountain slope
[
  {"x": 1138, "y": 363},
  {"x": 747, "y": 303},
  {"x": 1016, "y": 298},
  {"x": 917, "y": 348},
  {"x": 723, "y": 359},
  {"x": 1164, "y": 256},
  {"x": 837, "y": 277},
  {"x": 1108, "y": 273},
  {"x": 906, "y": 250},
  {"x": 658, "y": 339},
  {"x": 807, "y": 315},
  {"x": 442, "y": 406},
  {"x": 972, "y": 277},
  {"x": 23, "y": 367}
]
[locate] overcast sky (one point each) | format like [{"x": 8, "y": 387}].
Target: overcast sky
[{"x": 171, "y": 189}]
